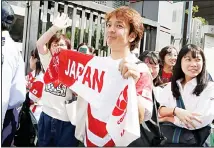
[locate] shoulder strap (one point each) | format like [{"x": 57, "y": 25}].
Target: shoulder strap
[
  {"x": 156, "y": 113},
  {"x": 180, "y": 103}
]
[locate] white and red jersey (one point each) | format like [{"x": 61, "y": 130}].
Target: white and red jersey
[
  {"x": 35, "y": 86},
  {"x": 96, "y": 132},
  {"x": 108, "y": 114}
]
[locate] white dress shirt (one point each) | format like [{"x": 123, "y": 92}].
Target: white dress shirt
[
  {"x": 13, "y": 75},
  {"x": 202, "y": 104}
]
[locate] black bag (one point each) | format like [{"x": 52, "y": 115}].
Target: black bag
[
  {"x": 177, "y": 136},
  {"x": 27, "y": 129},
  {"x": 150, "y": 133}
]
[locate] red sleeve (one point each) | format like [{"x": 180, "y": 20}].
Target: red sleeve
[
  {"x": 144, "y": 89},
  {"x": 144, "y": 86}
]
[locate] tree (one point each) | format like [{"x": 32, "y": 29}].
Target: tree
[
  {"x": 195, "y": 9},
  {"x": 101, "y": 40},
  {"x": 85, "y": 38}
]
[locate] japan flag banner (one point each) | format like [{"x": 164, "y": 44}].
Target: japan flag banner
[
  {"x": 37, "y": 88},
  {"x": 124, "y": 117},
  {"x": 96, "y": 80},
  {"x": 74, "y": 71},
  {"x": 65, "y": 67}
]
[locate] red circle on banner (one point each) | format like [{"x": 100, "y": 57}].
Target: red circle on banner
[{"x": 121, "y": 104}]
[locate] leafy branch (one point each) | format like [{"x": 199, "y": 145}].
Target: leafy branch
[{"x": 195, "y": 9}]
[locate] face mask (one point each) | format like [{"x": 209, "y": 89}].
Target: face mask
[{"x": 83, "y": 50}]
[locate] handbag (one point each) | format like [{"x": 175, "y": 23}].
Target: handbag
[
  {"x": 177, "y": 136},
  {"x": 27, "y": 129},
  {"x": 150, "y": 132}
]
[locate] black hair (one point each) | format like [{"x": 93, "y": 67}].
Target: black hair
[
  {"x": 6, "y": 26},
  {"x": 7, "y": 16},
  {"x": 39, "y": 68},
  {"x": 164, "y": 51},
  {"x": 202, "y": 77},
  {"x": 153, "y": 59}
]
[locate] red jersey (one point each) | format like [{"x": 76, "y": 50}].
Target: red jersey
[{"x": 166, "y": 77}]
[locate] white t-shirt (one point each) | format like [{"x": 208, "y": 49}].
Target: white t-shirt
[
  {"x": 53, "y": 99},
  {"x": 13, "y": 75}
]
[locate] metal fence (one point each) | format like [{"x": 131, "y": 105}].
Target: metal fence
[{"x": 88, "y": 24}]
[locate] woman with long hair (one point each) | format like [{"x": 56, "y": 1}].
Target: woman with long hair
[
  {"x": 28, "y": 126},
  {"x": 35, "y": 63},
  {"x": 188, "y": 101},
  {"x": 168, "y": 57},
  {"x": 35, "y": 81}
]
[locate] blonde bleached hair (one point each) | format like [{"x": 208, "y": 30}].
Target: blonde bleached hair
[{"x": 133, "y": 18}]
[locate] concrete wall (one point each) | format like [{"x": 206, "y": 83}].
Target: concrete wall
[
  {"x": 170, "y": 20},
  {"x": 177, "y": 19},
  {"x": 18, "y": 10},
  {"x": 165, "y": 21},
  {"x": 176, "y": 29},
  {"x": 147, "y": 9},
  {"x": 165, "y": 14},
  {"x": 138, "y": 6},
  {"x": 151, "y": 10},
  {"x": 209, "y": 52},
  {"x": 161, "y": 13},
  {"x": 18, "y": 3},
  {"x": 164, "y": 40},
  {"x": 209, "y": 29}
]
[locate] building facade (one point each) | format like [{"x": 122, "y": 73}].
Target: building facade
[
  {"x": 113, "y": 4},
  {"x": 157, "y": 17}
]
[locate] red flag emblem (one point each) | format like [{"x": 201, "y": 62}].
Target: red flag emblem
[{"x": 121, "y": 104}]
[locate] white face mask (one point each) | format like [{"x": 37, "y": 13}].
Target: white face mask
[{"x": 84, "y": 49}]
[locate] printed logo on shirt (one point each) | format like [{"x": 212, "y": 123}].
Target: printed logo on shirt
[
  {"x": 60, "y": 90},
  {"x": 34, "y": 91},
  {"x": 121, "y": 104}
]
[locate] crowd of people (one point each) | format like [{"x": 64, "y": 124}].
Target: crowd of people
[{"x": 174, "y": 89}]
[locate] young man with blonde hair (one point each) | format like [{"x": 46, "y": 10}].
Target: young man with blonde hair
[{"x": 124, "y": 31}]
